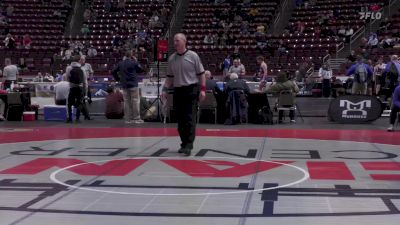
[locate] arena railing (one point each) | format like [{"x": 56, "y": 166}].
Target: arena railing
[{"x": 356, "y": 35}]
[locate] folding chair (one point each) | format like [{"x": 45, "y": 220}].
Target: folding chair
[
  {"x": 286, "y": 102},
  {"x": 209, "y": 103}
]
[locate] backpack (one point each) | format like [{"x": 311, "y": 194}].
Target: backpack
[
  {"x": 76, "y": 75},
  {"x": 266, "y": 115},
  {"x": 361, "y": 74}
]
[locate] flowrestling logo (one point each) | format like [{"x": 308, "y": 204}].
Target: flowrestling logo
[{"x": 371, "y": 12}]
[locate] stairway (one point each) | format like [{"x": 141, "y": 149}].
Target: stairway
[
  {"x": 177, "y": 20},
  {"x": 282, "y": 17}
]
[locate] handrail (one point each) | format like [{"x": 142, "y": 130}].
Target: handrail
[
  {"x": 373, "y": 22},
  {"x": 391, "y": 3},
  {"x": 339, "y": 47},
  {"x": 356, "y": 35},
  {"x": 176, "y": 10},
  {"x": 281, "y": 11},
  {"x": 325, "y": 58}
]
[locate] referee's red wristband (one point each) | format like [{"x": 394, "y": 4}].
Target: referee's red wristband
[{"x": 203, "y": 88}]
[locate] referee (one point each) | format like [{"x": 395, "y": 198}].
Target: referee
[{"x": 186, "y": 75}]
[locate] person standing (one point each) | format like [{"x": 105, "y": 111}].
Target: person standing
[
  {"x": 10, "y": 73},
  {"x": 78, "y": 86},
  {"x": 61, "y": 90},
  {"x": 325, "y": 73},
  {"x": 126, "y": 72},
  {"x": 186, "y": 74},
  {"x": 362, "y": 75},
  {"x": 262, "y": 72},
  {"x": 87, "y": 69},
  {"x": 395, "y": 108}
]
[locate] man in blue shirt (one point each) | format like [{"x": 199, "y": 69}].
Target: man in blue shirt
[
  {"x": 362, "y": 75},
  {"x": 395, "y": 107},
  {"x": 126, "y": 72}
]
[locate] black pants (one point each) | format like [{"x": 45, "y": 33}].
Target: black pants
[
  {"x": 75, "y": 98},
  {"x": 186, "y": 100},
  {"x": 393, "y": 114},
  {"x": 326, "y": 88}
]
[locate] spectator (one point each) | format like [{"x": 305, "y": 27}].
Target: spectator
[
  {"x": 87, "y": 15},
  {"x": 114, "y": 104},
  {"x": 9, "y": 42},
  {"x": 378, "y": 72},
  {"x": 10, "y": 11},
  {"x": 107, "y": 5},
  {"x": 260, "y": 37},
  {"x": 236, "y": 53},
  {"x": 342, "y": 32},
  {"x": 352, "y": 57},
  {"x": 27, "y": 41},
  {"x": 395, "y": 108},
  {"x": 126, "y": 72},
  {"x": 10, "y": 73},
  {"x": 387, "y": 42},
  {"x": 385, "y": 24},
  {"x": 283, "y": 83},
  {"x": 237, "y": 103},
  {"x": 208, "y": 39},
  {"x": 325, "y": 73},
  {"x": 92, "y": 52},
  {"x": 85, "y": 29},
  {"x": 337, "y": 87},
  {"x": 57, "y": 13},
  {"x": 373, "y": 41},
  {"x": 391, "y": 76},
  {"x": 349, "y": 33},
  {"x": 262, "y": 71},
  {"x": 61, "y": 90},
  {"x": 237, "y": 68},
  {"x": 39, "y": 77},
  {"x": 211, "y": 84},
  {"x": 226, "y": 65},
  {"x": 362, "y": 75},
  {"x": 22, "y": 65}
]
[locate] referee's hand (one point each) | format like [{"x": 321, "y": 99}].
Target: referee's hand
[{"x": 202, "y": 96}]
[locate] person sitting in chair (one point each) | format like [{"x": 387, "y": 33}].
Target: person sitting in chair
[
  {"x": 283, "y": 83},
  {"x": 211, "y": 84},
  {"x": 236, "y": 90}
]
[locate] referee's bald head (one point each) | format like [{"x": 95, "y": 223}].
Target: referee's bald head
[
  {"x": 180, "y": 36},
  {"x": 180, "y": 42}
]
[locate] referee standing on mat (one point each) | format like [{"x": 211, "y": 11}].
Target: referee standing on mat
[{"x": 186, "y": 75}]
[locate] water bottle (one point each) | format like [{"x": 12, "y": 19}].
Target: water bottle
[{"x": 12, "y": 86}]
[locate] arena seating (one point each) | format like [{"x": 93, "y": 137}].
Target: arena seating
[{"x": 302, "y": 47}]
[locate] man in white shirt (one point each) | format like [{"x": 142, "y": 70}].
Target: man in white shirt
[
  {"x": 325, "y": 73},
  {"x": 10, "y": 73},
  {"x": 61, "y": 90},
  {"x": 237, "y": 68}
]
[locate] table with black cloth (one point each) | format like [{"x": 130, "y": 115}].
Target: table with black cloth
[{"x": 25, "y": 99}]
